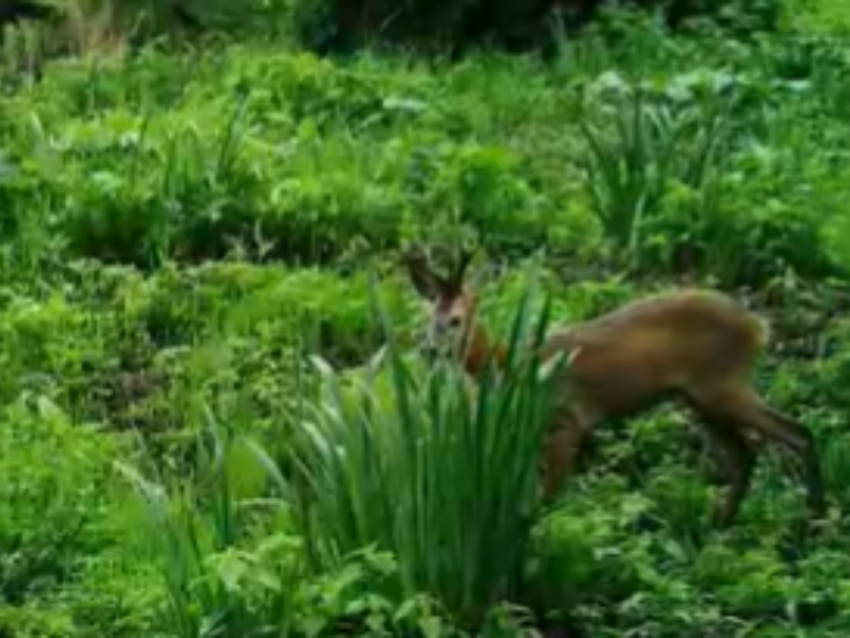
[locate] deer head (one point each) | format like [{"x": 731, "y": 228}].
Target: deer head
[{"x": 452, "y": 303}]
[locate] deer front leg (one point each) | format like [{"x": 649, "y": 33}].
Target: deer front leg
[
  {"x": 738, "y": 464},
  {"x": 562, "y": 446}
]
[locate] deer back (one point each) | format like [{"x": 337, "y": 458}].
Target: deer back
[{"x": 649, "y": 349}]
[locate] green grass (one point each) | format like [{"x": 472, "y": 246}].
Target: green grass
[
  {"x": 443, "y": 477},
  {"x": 184, "y": 233}
]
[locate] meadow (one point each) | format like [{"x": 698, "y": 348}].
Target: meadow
[{"x": 199, "y": 273}]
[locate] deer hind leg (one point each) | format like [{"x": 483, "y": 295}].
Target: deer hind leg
[
  {"x": 803, "y": 444},
  {"x": 737, "y": 465},
  {"x": 743, "y": 407}
]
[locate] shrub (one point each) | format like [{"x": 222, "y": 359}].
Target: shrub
[
  {"x": 54, "y": 499},
  {"x": 443, "y": 478},
  {"x": 340, "y": 24},
  {"x": 670, "y": 168},
  {"x": 226, "y": 562}
]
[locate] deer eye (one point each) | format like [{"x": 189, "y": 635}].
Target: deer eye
[{"x": 454, "y": 322}]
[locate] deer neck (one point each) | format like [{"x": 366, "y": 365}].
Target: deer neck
[{"x": 480, "y": 351}]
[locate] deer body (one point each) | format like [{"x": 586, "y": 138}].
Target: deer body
[
  {"x": 695, "y": 346},
  {"x": 647, "y": 350}
]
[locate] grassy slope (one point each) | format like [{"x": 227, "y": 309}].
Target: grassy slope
[{"x": 158, "y": 162}]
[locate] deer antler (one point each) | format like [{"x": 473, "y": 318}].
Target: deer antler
[
  {"x": 464, "y": 259},
  {"x": 418, "y": 263},
  {"x": 427, "y": 280}
]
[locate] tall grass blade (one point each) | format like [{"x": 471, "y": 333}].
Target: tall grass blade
[{"x": 412, "y": 462}]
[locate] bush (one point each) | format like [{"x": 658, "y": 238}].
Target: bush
[
  {"x": 443, "y": 478},
  {"x": 670, "y": 166},
  {"x": 54, "y": 500},
  {"x": 341, "y": 24}
]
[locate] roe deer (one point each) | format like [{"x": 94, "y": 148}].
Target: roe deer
[{"x": 696, "y": 345}]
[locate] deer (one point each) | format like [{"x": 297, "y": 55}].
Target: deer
[{"x": 698, "y": 346}]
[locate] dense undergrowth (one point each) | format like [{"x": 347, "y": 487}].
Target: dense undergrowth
[{"x": 202, "y": 436}]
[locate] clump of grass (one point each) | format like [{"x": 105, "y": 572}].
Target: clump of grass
[
  {"x": 650, "y": 145},
  {"x": 445, "y": 478},
  {"x": 229, "y": 568}
]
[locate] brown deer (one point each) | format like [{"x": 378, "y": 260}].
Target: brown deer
[{"x": 696, "y": 346}]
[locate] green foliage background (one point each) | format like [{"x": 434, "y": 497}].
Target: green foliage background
[{"x": 192, "y": 216}]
